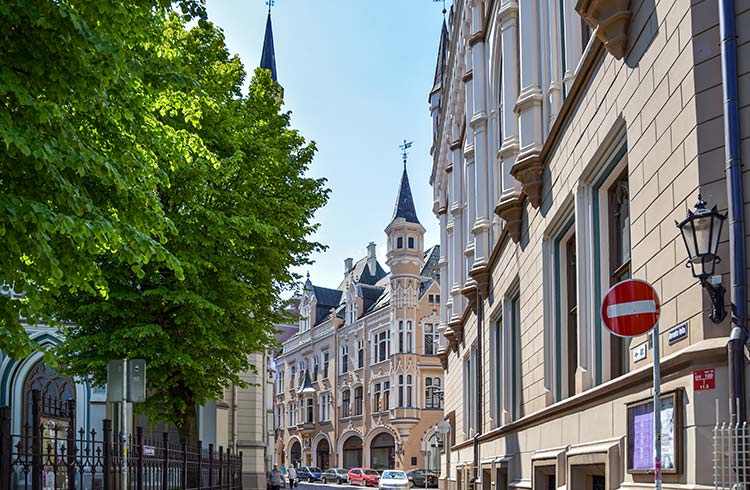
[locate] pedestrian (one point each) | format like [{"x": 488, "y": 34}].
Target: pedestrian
[
  {"x": 292, "y": 477},
  {"x": 283, "y": 472},
  {"x": 276, "y": 478}
]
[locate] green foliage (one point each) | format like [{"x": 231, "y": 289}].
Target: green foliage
[
  {"x": 82, "y": 145},
  {"x": 240, "y": 217}
]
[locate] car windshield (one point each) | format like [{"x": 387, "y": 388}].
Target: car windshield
[
  {"x": 394, "y": 475},
  {"x": 370, "y": 472},
  {"x": 315, "y": 469}
]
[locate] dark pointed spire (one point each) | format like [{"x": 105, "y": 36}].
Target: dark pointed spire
[
  {"x": 441, "y": 58},
  {"x": 306, "y": 386},
  {"x": 405, "y": 203},
  {"x": 268, "y": 56}
]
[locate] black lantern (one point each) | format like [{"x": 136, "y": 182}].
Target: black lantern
[{"x": 701, "y": 231}]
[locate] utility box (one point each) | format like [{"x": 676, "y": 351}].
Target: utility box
[
  {"x": 135, "y": 389},
  {"x": 137, "y": 380}
]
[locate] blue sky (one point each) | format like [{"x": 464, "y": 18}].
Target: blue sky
[{"x": 356, "y": 76}]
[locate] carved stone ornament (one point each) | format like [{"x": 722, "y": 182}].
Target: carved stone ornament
[
  {"x": 458, "y": 332},
  {"x": 443, "y": 356},
  {"x": 470, "y": 293},
  {"x": 510, "y": 208},
  {"x": 611, "y": 20},
  {"x": 450, "y": 336},
  {"x": 481, "y": 275},
  {"x": 529, "y": 171}
]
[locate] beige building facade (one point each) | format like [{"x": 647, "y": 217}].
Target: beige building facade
[
  {"x": 360, "y": 384},
  {"x": 569, "y": 136}
]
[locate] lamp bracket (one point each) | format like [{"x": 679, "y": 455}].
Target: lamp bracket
[{"x": 716, "y": 293}]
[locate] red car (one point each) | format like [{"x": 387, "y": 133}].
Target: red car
[{"x": 366, "y": 477}]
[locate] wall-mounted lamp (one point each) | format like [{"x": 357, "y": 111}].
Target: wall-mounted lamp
[{"x": 701, "y": 231}]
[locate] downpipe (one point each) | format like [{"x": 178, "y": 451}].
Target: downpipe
[
  {"x": 479, "y": 387},
  {"x": 738, "y": 335}
]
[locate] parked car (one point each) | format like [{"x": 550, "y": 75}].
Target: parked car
[
  {"x": 334, "y": 475},
  {"x": 393, "y": 480},
  {"x": 422, "y": 478},
  {"x": 366, "y": 477},
  {"x": 309, "y": 473}
]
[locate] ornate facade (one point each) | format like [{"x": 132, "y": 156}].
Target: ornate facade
[
  {"x": 568, "y": 138},
  {"x": 360, "y": 383}
]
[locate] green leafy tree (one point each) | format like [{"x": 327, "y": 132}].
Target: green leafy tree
[
  {"x": 241, "y": 218},
  {"x": 81, "y": 147}
]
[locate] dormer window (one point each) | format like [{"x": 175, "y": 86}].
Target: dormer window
[
  {"x": 305, "y": 315},
  {"x": 411, "y": 242},
  {"x": 400, "y": 242}
]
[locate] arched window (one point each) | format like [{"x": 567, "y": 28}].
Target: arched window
[
  {"x": 408, "y": 391},
  {"x": 400, "y": 390},
  {"x": 411, "y": 242},
  {"x": 409, "y": 336},
  {"x": 400, "y": 242},
  {"x": 54, "y": 390}
]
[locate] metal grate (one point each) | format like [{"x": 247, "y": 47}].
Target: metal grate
[{"x": 731, "y": 455}]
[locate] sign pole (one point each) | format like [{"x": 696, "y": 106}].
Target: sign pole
[
  {"x": 657, "y": 408},
  {"x": 124, "y": 416}
]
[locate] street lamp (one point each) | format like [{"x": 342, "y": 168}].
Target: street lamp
[{"x": 701, "y": 231}]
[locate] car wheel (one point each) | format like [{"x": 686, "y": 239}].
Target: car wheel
[{"x": 411, "y": 483}]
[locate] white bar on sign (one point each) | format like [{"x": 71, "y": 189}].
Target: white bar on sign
[{"x": 631, "y": 308}]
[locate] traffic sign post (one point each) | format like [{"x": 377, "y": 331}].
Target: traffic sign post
[{"x": 629, "y": 309}]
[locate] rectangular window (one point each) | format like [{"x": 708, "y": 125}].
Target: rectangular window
[
  {"x": 515, "y": 357},
  {"x": 310, "y": 412},
  {"x": 346, "y": 405},
  {"x": 316, "y": 367},
  {"x": 344, "y": 359},
  {"x": 280, "y": 381},
  {"x": 292, "y": 377},
  {"x": 571, "y": 286},
  {"x": 382, "y": 349},
  {"x": 326, "y": 361},
  {"x": 411, "y": 242},
  {"x": 409, "y": 391},
  {"x": 400, "y": 390},
  {"x": 430, "y": 339},
  {"x": 358, "y": 401},
  {"x": 468, "y": 398},
  {"x": 376, "y": 398},
  {"x": 618, "y": 199},
  {"x": 401, "y": 333},
  {"x": 386, "y": 395},
  {"x": 409, "y": 335},
  {"x": 497, "y": 359},
  {"x": 433, "y": 392}
]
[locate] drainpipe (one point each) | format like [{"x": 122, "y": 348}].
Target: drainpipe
[{"x": 738, "y": 335}]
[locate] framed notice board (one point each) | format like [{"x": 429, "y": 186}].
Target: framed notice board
[{"x": 640, "y": 450}]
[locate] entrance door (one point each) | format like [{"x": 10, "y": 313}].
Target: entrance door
[
  {"x": 352, "y": 452},
  {"x": 599, "y": 483},
  {"x": 383, "y": 452},
  {"x": 322, "y": 455},
  {"x": 295, "y": 454}
]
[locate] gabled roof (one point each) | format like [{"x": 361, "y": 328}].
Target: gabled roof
[
  {"x": 405, "y": 203},
  {"x": 441, "y": 59},
  {"x": 306, "y": 386},
  {"x": 268, "y": 55},
  {"x": 360, "y": 273},
  {"x": 431, "y": 265}
]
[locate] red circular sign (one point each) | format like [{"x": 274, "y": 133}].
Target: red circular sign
[{"x": 630, "y": 308}]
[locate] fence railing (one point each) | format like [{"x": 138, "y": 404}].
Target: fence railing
[
  {"x": 50, "y": 454},
  {"x": 731, "y": 454}
]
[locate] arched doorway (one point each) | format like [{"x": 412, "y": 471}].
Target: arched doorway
[
  {"x": 383, "y": 452},
  {"x": 295, "y": 454},
  {"x": 54, "y": 390},
  {"x": 433, "y": 446},
  {"x": 352, "y": 452},
  {"x": 323, "y": 454}
]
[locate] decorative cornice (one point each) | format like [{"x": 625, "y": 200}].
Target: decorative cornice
[
  {"x": 610, "y": 19},
  {"x": 529, "y": 171},
  {"x": 510, "y": 208},
  {"x": 455, "y": 145},
  {"x": 476, "y": 38},
  {"x": 507, "y": 10}
]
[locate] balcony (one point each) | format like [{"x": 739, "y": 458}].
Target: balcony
[{"x": 306, "y": 428}]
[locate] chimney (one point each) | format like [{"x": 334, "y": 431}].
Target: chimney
[
  {"x": 348, "y": 265},
  {"x": 371, "y": 259}
]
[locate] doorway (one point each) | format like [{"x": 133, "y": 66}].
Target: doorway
[{"x": 383, "y": 452}]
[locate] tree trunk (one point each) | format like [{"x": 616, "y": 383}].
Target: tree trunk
[{"x": 189, "y": 425}]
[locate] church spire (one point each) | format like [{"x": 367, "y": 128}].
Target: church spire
[
  {"x": 405, "y": 203},
  {"x": 441, "y": 59},
  {"x": 268, "y": 56}
]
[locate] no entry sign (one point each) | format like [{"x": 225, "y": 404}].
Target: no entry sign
[{"x": 630, "y": 308}]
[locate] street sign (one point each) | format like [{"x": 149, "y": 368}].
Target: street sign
[
  {"x": 443, "y": 427},
  {"x": 630, "y": 308},
  {"x": 705, "y": 379}
]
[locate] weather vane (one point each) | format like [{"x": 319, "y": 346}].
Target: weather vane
[
  {"x": 444, "y": 10},
  {"x": 405, "y": 146},
  {"x": 271, "y": 2}
]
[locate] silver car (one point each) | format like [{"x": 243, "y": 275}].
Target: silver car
[{"x": 393, "y": 480}]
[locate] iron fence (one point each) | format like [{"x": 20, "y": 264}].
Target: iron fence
[
  {"x": 731, "y": 454},
  {"x": 50, "y": 454}
]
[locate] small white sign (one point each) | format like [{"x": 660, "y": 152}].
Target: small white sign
[
  {"x": 639, "y": 353},
  {"x": 149, "y": 451}
]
